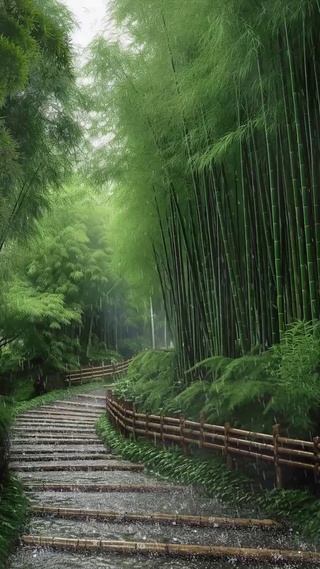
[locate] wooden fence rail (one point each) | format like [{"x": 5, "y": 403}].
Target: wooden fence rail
[
  {"x": 86, "y": 374},
  {"x": 272, "y": 448}
]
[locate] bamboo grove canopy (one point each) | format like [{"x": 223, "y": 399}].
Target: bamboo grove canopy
[{"x": 212, "y": 113}]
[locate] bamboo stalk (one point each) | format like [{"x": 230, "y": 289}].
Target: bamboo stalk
[
  {"x": 295, "y": 463},
  {"x": 296, "y": 452},
  {"x": 254, "y": 444},
  {"x": 53, "y": 419},
  {"x": 203, "y": 521},
  {"x": 67, "y": 411},
  {"x": 303, "y": 184},
  {"x": 80, "y": 404},
  {"x": 90, "y": 396},
  {"x": 43, "y": 429},
  {"x": 251, "y": 434},
  {"x": 73, "y": 411},
  {"x": 136, "y": 488},
  {"x": 296, "y": 442},
  {"x": 120, "y": 467},
  {"x": 56, "y": 456},
  {"x": 56, "y": 435},
  {"x": 56, "y": 441},
  {"x": 275, "y": 212},
  {"x": 36, "y": 451},
  {"x": 171, "y": 549},
  {"x": 66, "y": 414},
  {"x": 249, "y": 453}
]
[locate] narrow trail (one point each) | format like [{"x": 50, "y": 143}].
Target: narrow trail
[{"x": 87, "y": 504}]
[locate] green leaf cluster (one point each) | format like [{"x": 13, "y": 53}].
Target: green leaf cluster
[
  {"x": 253, "y": 392},
  {"x": 13, "y": 515},
  {"x": 39, "y": 129},
  {"x": 62, "y": 302}
]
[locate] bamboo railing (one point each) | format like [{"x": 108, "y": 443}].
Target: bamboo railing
[
  {"x": 87, "y": 374},
  {"x": 230, "y": 442}
]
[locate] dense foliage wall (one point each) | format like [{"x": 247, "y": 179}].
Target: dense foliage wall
[
  {"x": 39, "y": 127},
  {"x": 212, "y": 114},
  {"x": 62, "y": 302}
]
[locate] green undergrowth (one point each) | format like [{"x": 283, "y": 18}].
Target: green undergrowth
[
  {"x": 13, "y": 515},
  {"x": 253, "y": 392},
  {"x": 295, "y": 507},
  {"x": 5, "y": 423},
  {"x": 23, "y": 406}
]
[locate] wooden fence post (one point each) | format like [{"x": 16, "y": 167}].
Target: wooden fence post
[
  {"x": 108, "y": 396},
  {"x": 316, "y": 451},
  {"x": 202, "y": 422},
  {"x": 278, "y": 471},
  {"x": 124, "y": 412},
  {"x": 134, "y": 421},
  {"x": 183, "y": 443},
  {"x": 81, "y": 376},
  {"x": 164, "y": 446},
  {"x": 228, "y": 455}
]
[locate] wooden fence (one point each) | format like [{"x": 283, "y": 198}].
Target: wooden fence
[
  {"x": 86, "y": 374},
  {"x": 231, "y": 442}
]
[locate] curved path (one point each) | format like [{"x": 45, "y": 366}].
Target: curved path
[{"x": 87, "y": 504}]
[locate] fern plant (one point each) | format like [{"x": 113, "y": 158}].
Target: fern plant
[{"x": 296, "y": 374}]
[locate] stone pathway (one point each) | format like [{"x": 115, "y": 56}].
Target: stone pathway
[{"x": 87, "y": 504}]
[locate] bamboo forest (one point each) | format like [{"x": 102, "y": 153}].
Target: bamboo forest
[{"x": 160, "y": 283}]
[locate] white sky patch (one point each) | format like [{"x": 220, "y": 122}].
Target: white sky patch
[{"x": 90, "y": 16}]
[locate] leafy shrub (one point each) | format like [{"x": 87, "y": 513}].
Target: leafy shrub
[
  {"x": 281, "y": 385},
  {"x": 99, "y": 354},
  {"x": 132, "y": 346},
  {"x": 5, "y": 421},
  {"x": 150, "y": 380},
  {"x": 296, "y": 375},
  {"x": 13, "y": 511}
]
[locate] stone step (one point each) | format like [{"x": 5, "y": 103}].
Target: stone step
[
  {"x": 172, "y": 549},
  {"x": 58, "y": 440},
  {"x": 52, "y": 421},
  {"x": 89, "y": 396},
  {"x": 57, "y": 456},
  {"x": 74, "y": 410},
  {"x": 81, "y": 404},
  {"x": 33, "y": 487},
  {"x": 63, "y": 467},
  {"x": 36, "y": 430},
  {"x": 52, "y": 435},
  {"x": 57, "y": 415},
  {"x": 156, "y": 518}
]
